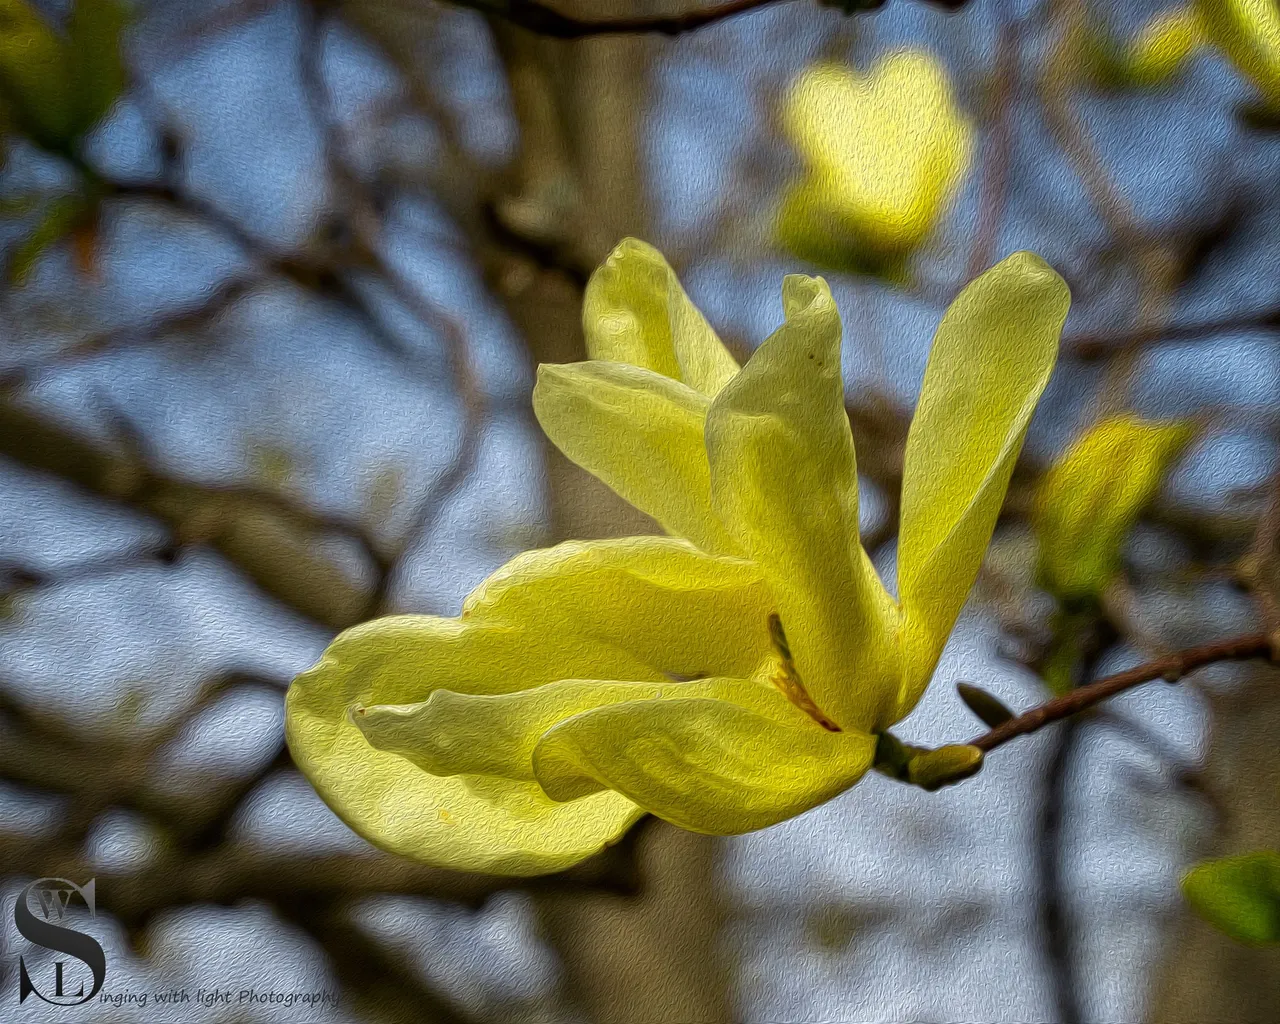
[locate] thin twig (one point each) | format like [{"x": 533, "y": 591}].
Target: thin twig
[
  {"x": 1171, "y": 669},
  {"x": 1103, "y": 344},
  {"x": 546, "y": 21},
  {"x": 1057, "y": 923},
  {"x": 999, "y": 144}
]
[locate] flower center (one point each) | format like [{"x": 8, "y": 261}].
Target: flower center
[{"x": 787, "y": 679}]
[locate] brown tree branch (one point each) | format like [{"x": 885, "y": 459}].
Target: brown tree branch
[
  {"x": 1171, "y": 669},
  {"x": 546, "y": 21},
  {"x": 1104, "y": 344},
  {"x": 999, "y": 142},
  {"x": 277, "y": 544}
]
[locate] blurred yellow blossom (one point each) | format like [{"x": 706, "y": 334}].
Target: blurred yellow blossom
[
  {"x": 1248, "y": 32},
  {"x": 1163, "y": 46},
  {"x": 1092, "y": 496},
  {"x": 884, "y": 153}
]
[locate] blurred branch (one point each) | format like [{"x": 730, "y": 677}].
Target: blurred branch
[
  {"x": 17, "y": 578},
  {"x": 1153, "y": 267},
  {"x": 1103, "y": 345},
  {"x": 546, "y": 21},
  {"x": 1259, "y": 569},
  {"x": 273, "y": 541},
  {"x": 1058, "y": 80},
  {"x": 1171, "y": 669},
  {"x": 43, "y": 752},
  {"x": 1184, "y": 775},
  {"x": 998, "y": 149},
  {"x": 383, "y": 984},
  {"x": 187, "y": 319},
  {"x": 229, "y": 874},
  {"x": 1056, "y": 924}
]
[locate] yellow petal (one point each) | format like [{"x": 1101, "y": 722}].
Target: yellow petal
[
  {"x": 1091, "y": 497},
  {"x": 639, "y": 432},
  {"x": 495, "y": 734},
  {"x": 458, "y": 822},
  {"x": 809, "y": 226},
  {"x": 784, "y": 482},
  {"x": 1163, "y": 45},
  {"x": 705, "y": 765},
  {"x": 991, "y": 358},
  {"x": 885, "y": 150},
  {"x": 1247, "y": 31},
  {"x": 635, "y": 311},
  {"x": 673, "y": 607},
  {"x": 630, "y": 609}
]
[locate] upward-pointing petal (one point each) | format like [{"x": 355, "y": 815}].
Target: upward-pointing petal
[
  {"x": 785, "y": 484},
  {"x": 991, "y": 359}
]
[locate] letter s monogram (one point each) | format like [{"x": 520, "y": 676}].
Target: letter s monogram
[{"x": 58, "y": 938}]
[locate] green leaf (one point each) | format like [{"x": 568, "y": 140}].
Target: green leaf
[
  {"x": 990, "y": 361},
  {"x": 635, "y": 311},
  {"x": 1238, "y": 895},
  {"x": 97, "y": 69},
  {"x": 642, "y": 434},
  {"x": 785, "y": 484},
  {"x": 705, "y": 765}
]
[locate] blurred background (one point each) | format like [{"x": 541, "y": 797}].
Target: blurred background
[{"x": 268, "y": 329}]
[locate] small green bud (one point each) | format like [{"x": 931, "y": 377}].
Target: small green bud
[
  {"x": 933, "y": 769},
  {"x": 989, "y": 708}
]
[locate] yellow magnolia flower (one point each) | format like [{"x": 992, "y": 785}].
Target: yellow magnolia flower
[
  {"x": 1248, "y": 32},
  {"x": 1092, "y": 496},
  {"x": 725, "y": 677},
  {"x": 884, "y": 154}
]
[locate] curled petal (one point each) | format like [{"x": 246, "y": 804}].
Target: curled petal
[
  {"x": 705, "y": 765},
  {"x": 635, "y": 311},
  {"x": 495, "y": 734},
  {"x": 785, "y": 484},
  {"x": 473, "y": 824}
]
